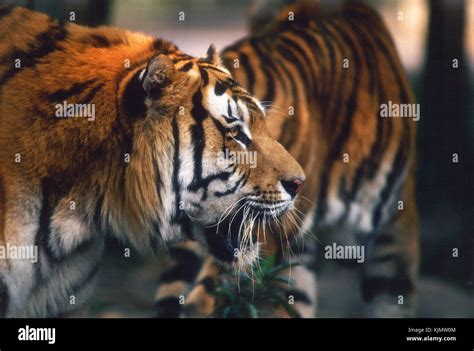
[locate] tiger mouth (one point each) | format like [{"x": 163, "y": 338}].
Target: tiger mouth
[
  {"x": 224, "y": 238},
  {"x": 266, "y": 211}
]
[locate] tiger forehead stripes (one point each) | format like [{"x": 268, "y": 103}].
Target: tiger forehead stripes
[{"x": 158, "y": 163}]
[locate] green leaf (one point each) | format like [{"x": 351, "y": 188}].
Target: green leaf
[
  {"x": 267, "y": 263},
  {"x": 282, "y": 279},
  {"x": 281, "y": 267},
  {"x": 226, "y": 312},
  {"x": 253, "y": 313}
]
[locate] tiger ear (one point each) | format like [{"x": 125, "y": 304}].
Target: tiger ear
[
  {"x": 212, "y": 57},
  {"x": 156, "y": 89},
  {"x": 158, "y": 74}
]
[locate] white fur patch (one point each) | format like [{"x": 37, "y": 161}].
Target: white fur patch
[{"x": 67, "y": 232}]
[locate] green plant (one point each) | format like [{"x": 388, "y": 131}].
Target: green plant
[{"x": 241, "y": 295}]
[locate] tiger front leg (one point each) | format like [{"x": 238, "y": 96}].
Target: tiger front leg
[
  {"x": 176, "y": 281},
  {"x": 389, "y": 275},
  {"x": 200, "y": 302}
]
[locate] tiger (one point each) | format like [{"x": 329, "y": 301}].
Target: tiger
[
  {"x": 110, "y": 132},
  {"x": 324, "y": 78}
]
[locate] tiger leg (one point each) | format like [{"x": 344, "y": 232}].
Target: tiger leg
[
  {"x": 200, "y": 301},
  {"x": 389, "y": 275},
  {"x": 175, "y": 281},
  {"x": 302, "y": 293}
]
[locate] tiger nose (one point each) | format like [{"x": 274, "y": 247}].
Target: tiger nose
[{"x": 292, "y": 186}]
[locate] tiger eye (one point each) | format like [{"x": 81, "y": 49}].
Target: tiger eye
[{"x": 233, "y": 132}]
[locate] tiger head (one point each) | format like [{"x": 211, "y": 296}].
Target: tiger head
[{"x": 218, "y": 174}]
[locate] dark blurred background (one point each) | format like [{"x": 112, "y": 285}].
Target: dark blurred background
[{"x": 429, "y": 35}]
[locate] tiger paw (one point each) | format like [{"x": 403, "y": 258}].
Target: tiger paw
[{"x": 199, "y": 304}]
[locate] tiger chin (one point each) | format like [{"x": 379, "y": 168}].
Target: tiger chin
[{"x": 147, "y": 168}]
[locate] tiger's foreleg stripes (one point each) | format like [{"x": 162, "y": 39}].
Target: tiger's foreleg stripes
[
  {"x": 200, "y": 301},
  {"x": 176, "y": 281},
  {"x": 388, "y": 277},
  {"x": 302, "y": 291}
]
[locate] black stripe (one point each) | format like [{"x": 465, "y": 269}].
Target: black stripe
[
  {"x": 145, "y": 73},
  {"x": 231, "y": 190},
  {"x": 399, "y": 284},
  {"x": 266, "y": 64},
  {"x": 204, "y": 182},
  {"x": 233, "y": 83},
  {"x": 334, "y": 108},
  {"x": 5, "y": 11},
  {"x": 101, "y": 41},
  {"x": 176, "y": 167},
  {"x": 247, "y": 100},
  {"x": 186, "y": 268},
  {"x": 163, "y": 46},
  {"x": 246, "y": 178},
  {"x": 244, "y": 60},
  {"x": 198, "y": 140},
  {"x": 214, "y": 68},
  {"x": 47, "y": 208},
  {"x": 229, "y": 120},
  {"x": 219, "y": 88},
  {"x": 288, "y": 134},
  {"x": 316, "y": 52},
  {"x": 187, "y": 67},
  {"x": 329, "y": 67},
  {"x": 392, "y": 59},
  {"x": 4, "y": 296},
  {"x": 242, "y": 137},
  {"x": 158, "y": 179},
  {"x": 91, "y": 94},
  {"x": 133, "y": 97},
  {"x": 230, "y": 116},
  {"x": 306, "y": 77},
  {"x": 209, "y": 284},
  {"x": 179, "y": 217},
  {"x": 183, "y": 55},
  {"x": 43, "y": 44},
  {"x": 155, "y": 237},
  {"x": 198, "y": 112},
  {"x": 181, "y": 58},
  {"x": 299, "y": 296},
  {"x": 291, "y": 58},
  {"x": 97, "y": 218},
  {"x": 398, "y": 167},
  {"x": 64, "y": 94},
  {"x": 168, "y": 307},
  {"x": 204, "y": 76}
]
